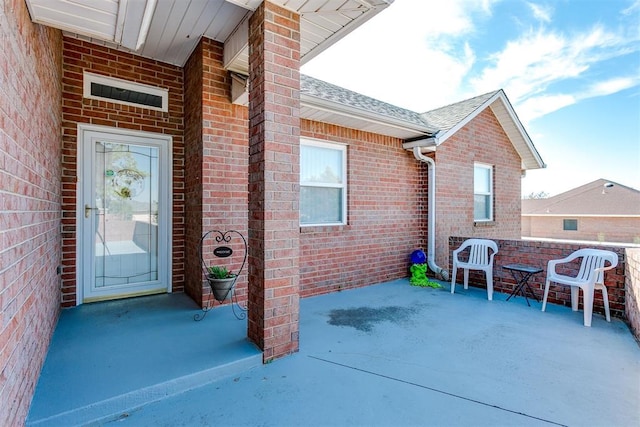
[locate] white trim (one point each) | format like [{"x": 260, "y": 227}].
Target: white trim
[
  {"x": 337, "y": 146},
  {"x": 89, "y": 78},
  {"x": 166, "y": 194}
]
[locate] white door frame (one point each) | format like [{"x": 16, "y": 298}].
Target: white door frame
[{"x": 166, "y": 195}]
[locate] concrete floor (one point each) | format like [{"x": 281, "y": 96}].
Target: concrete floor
[{"x": 385, "y": 355}]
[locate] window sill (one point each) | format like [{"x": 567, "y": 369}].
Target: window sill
[
  {"x": 484, "y": 223},
  {"x": 324, "y": 228}
]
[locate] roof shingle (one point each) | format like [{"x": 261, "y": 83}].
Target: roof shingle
[{"x": 329, "y": 92}]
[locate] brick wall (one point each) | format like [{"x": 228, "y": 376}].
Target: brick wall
[
  {"x": 193, "y": 96},
  {"x": 217, "y": 148},
  {"x": 538, "y": 254},
  {"x": 79, "y": 56},
  {"x": 386, "y": 215},
  {"x": 632, "y": 290},
  {"x": 596, "y": 229},
  {"x": 274, "y": 166},
  {"x": 30, "y": 66},
  {"x": 481, "y": 140}
]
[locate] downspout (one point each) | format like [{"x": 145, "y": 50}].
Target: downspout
[{"x": 431, "y": 219}]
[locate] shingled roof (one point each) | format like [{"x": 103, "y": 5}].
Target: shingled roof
[
  {"x": 597, "y": 198},
  {"x": 325, "y": 102},
  {"x": 329, "y": 92},
  {"x": 445, "y": 118}
]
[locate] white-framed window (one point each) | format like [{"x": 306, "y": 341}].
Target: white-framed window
[
  {"x": 482, "y": 192},
  {"x": 323, "y": 183}
]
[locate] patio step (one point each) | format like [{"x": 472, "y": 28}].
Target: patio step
[{"x": 120, "y": 406}]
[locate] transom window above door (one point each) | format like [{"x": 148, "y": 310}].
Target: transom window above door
[{"x": 323, "y": 183}]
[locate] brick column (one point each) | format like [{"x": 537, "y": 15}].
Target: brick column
[{"x": 274, "y": 169}]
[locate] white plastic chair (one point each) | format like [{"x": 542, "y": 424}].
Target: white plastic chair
[
  {"x": 480, "y": 258},
  {"x": 590, "y": 277}
]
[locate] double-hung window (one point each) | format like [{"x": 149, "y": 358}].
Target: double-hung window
[
  {"x": 323, "y": 183},
  {"x": 482, "y": 192}
]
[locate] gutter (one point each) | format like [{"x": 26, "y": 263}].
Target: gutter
[{"x": 431, "y": 201}]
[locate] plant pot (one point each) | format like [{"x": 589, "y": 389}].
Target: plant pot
[{"x": 221, "y": 288}]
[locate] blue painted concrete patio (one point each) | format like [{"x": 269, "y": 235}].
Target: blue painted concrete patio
[{"x": 387, "y": 355}]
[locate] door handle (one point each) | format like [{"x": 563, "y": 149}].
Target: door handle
[{"x": 87, "y": 210}]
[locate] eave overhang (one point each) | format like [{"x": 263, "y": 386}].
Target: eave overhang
[{"x": 318, "y": 109}]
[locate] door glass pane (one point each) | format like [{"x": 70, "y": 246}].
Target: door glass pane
[{"x": 126, "y": 214}]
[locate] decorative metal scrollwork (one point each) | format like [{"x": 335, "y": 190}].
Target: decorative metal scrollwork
[{"x": 222, "y": 279}]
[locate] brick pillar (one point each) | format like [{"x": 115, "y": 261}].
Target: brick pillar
[{"x": 274, "y": 169}]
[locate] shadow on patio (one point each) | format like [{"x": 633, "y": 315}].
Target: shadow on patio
[{"x": 389, "y": 354}]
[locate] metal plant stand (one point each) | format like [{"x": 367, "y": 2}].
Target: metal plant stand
[{"x": 230, "y": 246}]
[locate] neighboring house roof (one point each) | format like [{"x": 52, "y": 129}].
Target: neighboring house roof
[
  {"x": 598, "y": 198},
  {"x": 453, "y": 117},
  {"x": 326, "y": 102}
]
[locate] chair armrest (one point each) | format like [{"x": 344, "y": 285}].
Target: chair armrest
[
  {"x": 551, "y": 265},
  {"x": 460, "y": 249},
  {"x": 603, "y": 269},
  {"x": 491, "y": 257}
]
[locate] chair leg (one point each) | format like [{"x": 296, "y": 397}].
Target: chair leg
[
  {"x": 453, "y": 277},
  {"x": 466, "y": 278},
  {"x": 489, "y": 285},
  {"x": 575, "y": 296},
  {"x": 588, "y": 305},
  {"x": 605, "y": 300},
  {"x": 546, "y": 293}
]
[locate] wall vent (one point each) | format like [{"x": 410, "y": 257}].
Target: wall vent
[{"x": 125, "y": 92}]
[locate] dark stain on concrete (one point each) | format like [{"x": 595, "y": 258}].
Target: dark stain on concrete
[{"x": 365, "y": 318}]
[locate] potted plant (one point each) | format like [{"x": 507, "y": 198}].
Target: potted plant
[{"x": 221, "y": 281}]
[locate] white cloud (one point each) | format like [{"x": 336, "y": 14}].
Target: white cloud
[
  {"x": 539, "y": 106},
  {"x": 633, "y": 8},
  {"x": 541, "y": 13},
  {"x": 529, "y": 67},
  {"x": 421, "y": 64},
  {"x": 415, "y": 55},
  {"x": 611, "y": 86}
]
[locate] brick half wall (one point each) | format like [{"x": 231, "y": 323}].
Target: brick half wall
[
  {"x": 538, "y": 254},
  {"x": 632, "y": 290}
]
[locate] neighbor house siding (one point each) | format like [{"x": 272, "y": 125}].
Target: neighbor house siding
[
  {"x": 30, "y": 68},
  {"x": 80, "y": 56},
  {"x": 386, "y": 215},
  {"x": 482, "y": 140}
]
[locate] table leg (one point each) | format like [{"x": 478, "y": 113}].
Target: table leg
[{"x": 522, "y": 285}]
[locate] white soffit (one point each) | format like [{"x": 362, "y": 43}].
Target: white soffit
[{"x": 169, "y": 30}]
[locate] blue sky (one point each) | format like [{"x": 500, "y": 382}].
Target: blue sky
[{"x": 571, "y": 69}]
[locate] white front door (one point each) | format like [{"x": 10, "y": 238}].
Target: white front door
[{"x": 124, "y": 213}]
